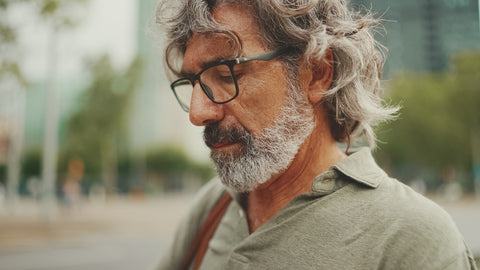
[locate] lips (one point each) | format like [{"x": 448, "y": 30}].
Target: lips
[
  {"x": 217, "y": 137},
  {"x": 221, "y": 144},
  {"x": 224, "y": 146}
]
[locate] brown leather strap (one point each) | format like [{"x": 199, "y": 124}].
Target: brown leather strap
[{"x": 200, "y": 243}]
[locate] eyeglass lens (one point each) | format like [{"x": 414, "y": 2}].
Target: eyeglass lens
[{"x": 217, "y": 83}]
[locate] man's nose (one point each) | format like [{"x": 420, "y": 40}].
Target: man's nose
[{"x": 203, "y": 111}]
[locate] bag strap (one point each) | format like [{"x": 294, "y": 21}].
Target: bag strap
[{"x": 200, "y": 243}]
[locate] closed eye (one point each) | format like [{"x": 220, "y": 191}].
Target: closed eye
[{"x": 227, "y": 79}]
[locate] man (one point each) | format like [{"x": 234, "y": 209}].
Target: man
[{"x": 277, "y": 84}]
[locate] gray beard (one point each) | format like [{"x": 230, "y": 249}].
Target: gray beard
[{"x": 270, "y": 153}]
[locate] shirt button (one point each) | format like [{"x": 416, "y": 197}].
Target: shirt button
[
  {"x": 324, "y": 186},
  {"x": 240, "y": 213}
]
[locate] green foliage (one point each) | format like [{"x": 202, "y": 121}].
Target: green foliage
[
  {"x": 203, "y": 170},
  {"x": 31, "y": 164},
  {"x": 172, "y": 160},
  {"x": 49, "y": 7},
  {"x": 168, "y": 160},
  {"x": 100, "y": 119},
  {"x": 3, "y": 174},
  {"x": 440, "y": 115},
  {"x": 9, "y": 68},
  {"x": 61, "y": 13},
  {"x": 467, "y": 80},
  {"x": 426, "y": 131},
  {"x": 7, "y": 34}
]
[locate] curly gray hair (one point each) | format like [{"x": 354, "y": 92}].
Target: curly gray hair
[{"x": 311, "y": 27}]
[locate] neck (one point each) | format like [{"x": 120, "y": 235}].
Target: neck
[{"x": 316, "y": 155}]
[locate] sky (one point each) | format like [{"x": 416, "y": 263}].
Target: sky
[{"x": 105, "y": 26}]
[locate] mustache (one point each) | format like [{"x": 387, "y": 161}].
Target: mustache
[{"x": 214, "y": 133}]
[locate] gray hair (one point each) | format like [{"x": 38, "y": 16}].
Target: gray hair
[{"x": 352, "y": 102}]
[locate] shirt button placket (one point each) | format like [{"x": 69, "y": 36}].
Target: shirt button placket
[{"x": 324, "y": 187}]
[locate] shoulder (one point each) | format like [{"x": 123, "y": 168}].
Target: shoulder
[
  {"x": 400, "y": 204},
  {"x": 379, "y": 197},
  {"x": 416, "y": 232},
  {"x": 386, "y": 221}
]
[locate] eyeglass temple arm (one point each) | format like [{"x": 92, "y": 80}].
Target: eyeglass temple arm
[{"x": 263, "y": 56}]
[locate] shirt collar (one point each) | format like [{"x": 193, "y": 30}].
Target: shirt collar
[{"x": 359, "y": 166}]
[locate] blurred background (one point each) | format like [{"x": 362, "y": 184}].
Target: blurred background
[{"x": 98, "y": 162}]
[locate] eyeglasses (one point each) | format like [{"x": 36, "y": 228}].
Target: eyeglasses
[{"x": 218, "y": 80}]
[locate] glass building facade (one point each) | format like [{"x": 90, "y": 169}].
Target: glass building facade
[{"x": 423, "y": 35}]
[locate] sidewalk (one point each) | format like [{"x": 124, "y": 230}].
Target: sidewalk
[
  {"x": 120, "y": 234},
  {"x": 125, "y": 216},
  {"x": 127, "y": 233}
]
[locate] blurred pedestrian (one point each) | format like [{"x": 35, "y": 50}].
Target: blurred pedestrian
[
  {"x": 277, "y": 85},
  {"x": 2, "y": 196},
  {"x": 72, "y": 191}
]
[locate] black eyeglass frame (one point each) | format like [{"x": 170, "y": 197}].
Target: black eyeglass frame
[{"x": 230, "y": 63}]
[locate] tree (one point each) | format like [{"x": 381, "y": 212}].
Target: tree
[
  {"x": 58, "y": 15},
  {"x": 467, "y": 80},
  {"x": 9, "y": 66},
  {"x": 12, "y": 91},
  {"x": 439, "y": 120},
  {"x": 175, "y": 167},
  {"x": 94, "y": 130}
]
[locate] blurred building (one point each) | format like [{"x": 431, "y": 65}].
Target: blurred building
[
  {"x": 157, "y": 118},
  {"x": 422, "y": 35}
]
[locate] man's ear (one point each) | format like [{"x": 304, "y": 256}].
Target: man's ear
[{"x": 322, "y": 76}]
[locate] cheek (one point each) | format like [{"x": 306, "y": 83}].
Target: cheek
[
  {"x": 261, "y": 100},
  {"x": 255, "y": 94}
]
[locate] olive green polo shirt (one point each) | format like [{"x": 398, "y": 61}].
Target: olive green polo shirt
[{"x": 355, "y": 217}]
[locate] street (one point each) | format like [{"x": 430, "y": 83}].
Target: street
[{"x": 127, "y": 233}]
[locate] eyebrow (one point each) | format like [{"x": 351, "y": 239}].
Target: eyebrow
[
  {"x": 204, "y": 65},
  {"x": 213, "y": 62}
]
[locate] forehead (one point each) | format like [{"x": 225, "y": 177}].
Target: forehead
[{"x": 238, "y": 18}]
